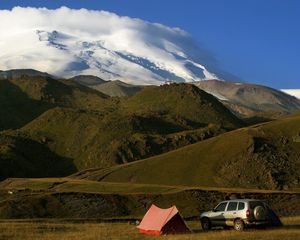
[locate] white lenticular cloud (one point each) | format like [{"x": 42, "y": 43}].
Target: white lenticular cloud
[{"x": 67, "y": 42}]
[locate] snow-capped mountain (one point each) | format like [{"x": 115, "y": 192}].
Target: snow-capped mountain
[
  {"x": 67, "y": 42},
  {"x": 293, "y": 92}
]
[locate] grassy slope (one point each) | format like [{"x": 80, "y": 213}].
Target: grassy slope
[
  {"x": 184, "y": 103},
  {"x": 90, "y": 129},
  {"x": 88, "y": 80},
  {"x": 96, "y": 140},
  {"x": 63, "y": 93},
  {"x": 85, "y": 186},
  {"x": 262, "y": 156},
  {"x": 16, "y": 108},
  {"x": 24, "y": 98},
  {"x": 71, "y": 184},
  {"x": 23, "y": 157},
  {"x": 136, "y": 130},
  {"x": 117, "y": 88}
]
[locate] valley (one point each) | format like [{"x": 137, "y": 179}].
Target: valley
[
  {"x": 125, "y": 119},
  {"x": 74, "y": 152}
]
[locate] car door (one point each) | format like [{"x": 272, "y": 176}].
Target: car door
[
  {"x": 217, "y": 215},
  {"x": 231, "y": 213}
]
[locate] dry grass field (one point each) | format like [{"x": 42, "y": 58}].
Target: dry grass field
[{"x": 23, "y": 230}]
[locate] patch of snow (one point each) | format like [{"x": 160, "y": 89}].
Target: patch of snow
[{"x": 292, "y": 92}]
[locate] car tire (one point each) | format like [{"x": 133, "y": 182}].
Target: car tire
[
  {"x": 239, "y": 225},
  {"x": 259, "y": 213},
  {"x": 205, "y": 224}
]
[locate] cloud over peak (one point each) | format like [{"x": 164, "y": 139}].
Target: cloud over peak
[{"x": 67, "y": 42}]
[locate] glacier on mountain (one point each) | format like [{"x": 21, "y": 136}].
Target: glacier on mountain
[{"x": 67, "y": 42}]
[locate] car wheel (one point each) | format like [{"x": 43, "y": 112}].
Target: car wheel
[
  {"x": 239, "y": 225},
  {"x": 205, "y": 224},
  {"x": 259, "y": 213}
]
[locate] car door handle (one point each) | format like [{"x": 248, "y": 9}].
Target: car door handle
[{"x": 234, "y": 213}]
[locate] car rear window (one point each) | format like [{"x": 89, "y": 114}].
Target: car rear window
[
  {"x": 221, "y": 207},
  {"x": 232, "y": 206},
  {"x": 241, "y": 206}
]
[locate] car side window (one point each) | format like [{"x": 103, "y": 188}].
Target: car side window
[
  {"x": 221, "y": 207},
  {"x": 241, "y": 206},
  {"x": 232, "y": 206}
]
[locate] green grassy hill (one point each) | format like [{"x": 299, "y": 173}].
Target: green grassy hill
[
  {"x": 21, "y": 156},
  {"x": 182, "y": 103},
  {"x": 172, "y": 144},
  {"x": 24, "y": 98},
  {"x": 262, "y": 156},
  {"x": 114, "y": 88},
  {"x": 16, "y": 73},
  {"x": 95, "y": 139},
  {"x": 88, "y": 80},
  {"x": 64, "y": 93},
  {"x": 16, "y": 108},
  {"x": 118, "y": 88},
  {"x": 94, "y": 130}
]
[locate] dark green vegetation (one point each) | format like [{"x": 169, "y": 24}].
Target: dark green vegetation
[
  {"x": 88, "y": 80},
  {"x": 83, "y": 128},
  {"x": 21, "y": 156},
  {"x": 182, "y": 103},
  {"x": 118, "y": 88},
  {"x": 71, "y": 198},
  {"x": 24, "y": 98},
  {"x": 173, "y": 144},
  {"x": 16, "y": 73},
  {"x": 115, "y": 88},
  {"x": 96, "y": 140},
  {"x": 263, "y": 156}
]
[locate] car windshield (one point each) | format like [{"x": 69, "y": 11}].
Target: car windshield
[{"x": 221, "y": 207}]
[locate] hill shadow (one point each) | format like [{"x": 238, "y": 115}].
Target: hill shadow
[
  {"x": 23, "y": 157},
  {"x": 16, "y": 108}
]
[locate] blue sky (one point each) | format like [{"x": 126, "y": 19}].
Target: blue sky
[{"x": 257, "y": 40}]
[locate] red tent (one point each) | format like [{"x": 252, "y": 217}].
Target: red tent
[{"x": 162, "y": 221}]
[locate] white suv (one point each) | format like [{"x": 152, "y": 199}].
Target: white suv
[{"x": 237, "y": 213}]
